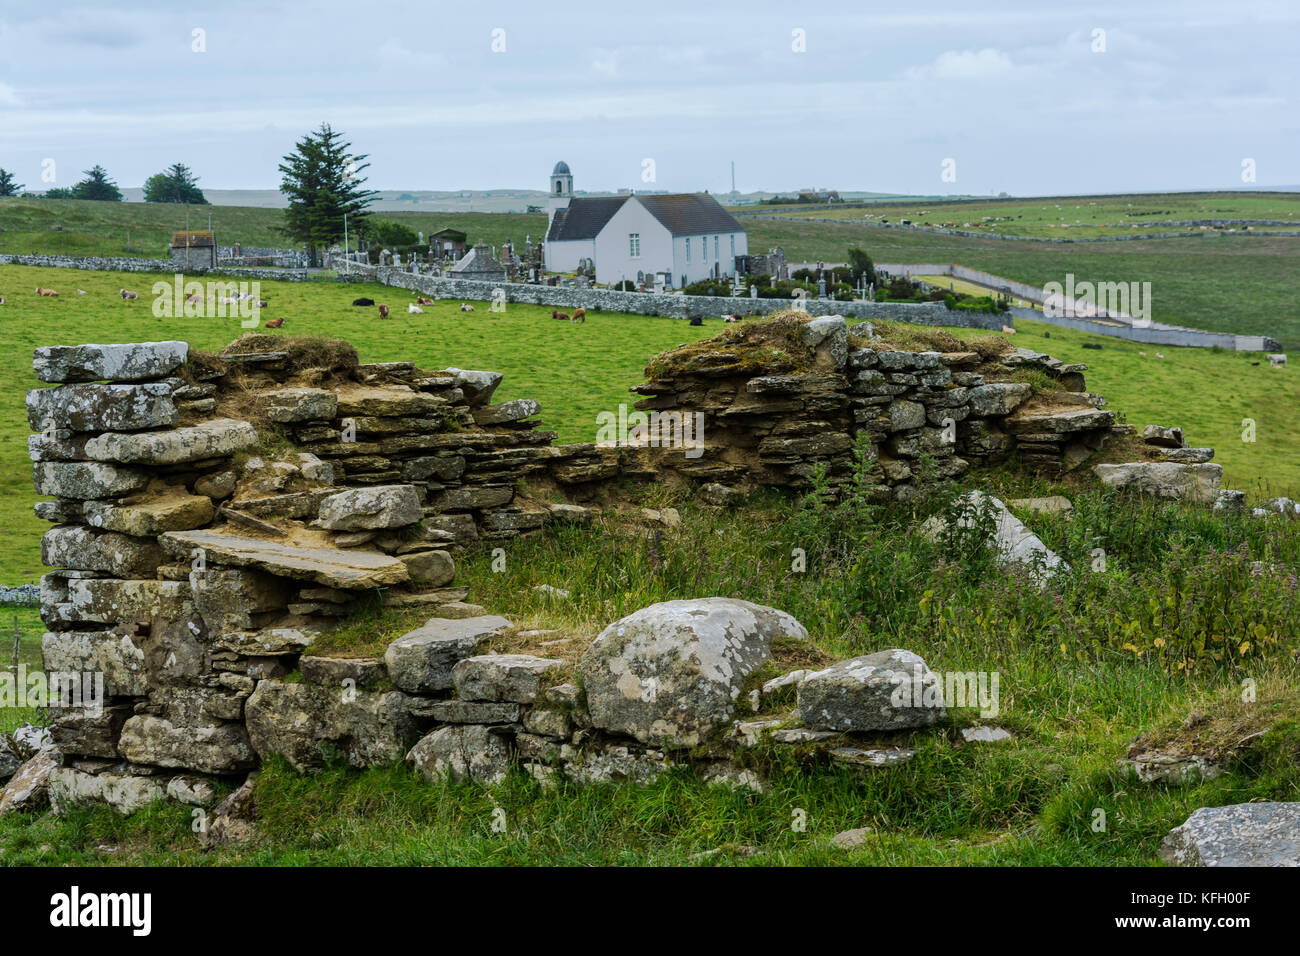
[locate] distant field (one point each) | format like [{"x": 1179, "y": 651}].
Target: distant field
[
  {"x": 1218, "y": 282},
  {"x": 101, "y": 228},
  {"x": 578, "y": 371},
  {"x": 1070, "y": 217}
]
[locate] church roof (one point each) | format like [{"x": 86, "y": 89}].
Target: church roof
[
  {"x": 682, "y": 214},
  {"x": 583, "y": 218},
  {"x": 689, "y": 214},
  {"x": 561, "y": 169}
]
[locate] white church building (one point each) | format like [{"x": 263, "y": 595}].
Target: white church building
[{"x": 689, "y": 236}]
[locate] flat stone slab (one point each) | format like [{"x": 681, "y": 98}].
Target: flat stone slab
[
  {"x": 86, "y": 480},
  {"x": 132, "y": 362},
  {"x": 299, "y": 404},
  {"x": 884, "y": 757},
  {"x": 888, "y": 690},
  {"x": 332, "y": 567},
  {"x": 365, "y": 509},
  {"x": 515, "y": 678},
  {"x": 1055, "y": 421},
  {"x": 1243, "y": 834},
  {"x": 102, "y": 408},
  {"x": 1052, "y": 505},
  {"x": 173, "y": 512},
  {"x": 218, "y": 438}
]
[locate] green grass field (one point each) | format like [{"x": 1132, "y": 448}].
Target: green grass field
[
  {"x": 1066, "y": 217},
  {"x": 577, "y": 371}
]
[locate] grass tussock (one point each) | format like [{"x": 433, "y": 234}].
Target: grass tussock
[{"x": 304, "y": 352}]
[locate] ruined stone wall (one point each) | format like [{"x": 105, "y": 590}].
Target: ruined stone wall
[
  {"x": 215, "y": 518},
  {"x": 922, "y": 416}
]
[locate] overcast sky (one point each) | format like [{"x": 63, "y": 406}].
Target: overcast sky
[{"x": 1012, "y": 91}]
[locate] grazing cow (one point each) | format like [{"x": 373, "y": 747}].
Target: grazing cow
[
  {"x": 562, "y": 316},
  {"x": 579, "y": 315},
  {"x": 128, "y": 294},
  {"x": 363, "y": 301},
  {"x": 414, "y": 309},
  {"x": 466, "y": 308},
  {"x": 1276, "y": 359},
  {"x": 274, "y": 323},
  {"x": 383, "y": 311},
  {"x": 48, "y": 293},
  {"x": 730, "y": 319},
  {"x": 421, "y": 300}
]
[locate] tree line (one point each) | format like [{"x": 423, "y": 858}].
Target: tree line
[{"x": 321, "y": 178}]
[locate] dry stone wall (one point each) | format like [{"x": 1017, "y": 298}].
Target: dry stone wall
[{"x": 215, "y": 518}]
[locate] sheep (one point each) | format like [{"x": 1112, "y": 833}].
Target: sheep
[
  {"x": 579, "y": 315},
  {"x": 82, "y": 292},
  {"x": 48, "y": 293},
  {"x": 363, "y": 301},
  {"x": 274, "y": 323},
  {"x": 466, "y": 308},
  {"x": 128, "y": 294},
  {"x": 383, "y": 311},
  {"x": 1008, "y": 330},
  {"x": 413, "y": 309}
]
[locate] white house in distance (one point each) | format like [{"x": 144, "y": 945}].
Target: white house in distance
[{"x": 687, "y": 235}]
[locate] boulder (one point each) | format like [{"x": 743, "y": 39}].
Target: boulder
[
  {"x": 11, "y": 758},
  {"x": 433, "y": 568},
  {"x": 28, "y": 788},
  {"x": 502, "y": 677},
  {"x": 828, "y": 337},
  {"x": 512, "y": 411},
  {"x": 1244, "y": 834},
  {"x": 235, "y": 818},
  {"x": 1160, "y": 479},
  {"x": 114, "y": 363},
  {"x": 102, "y": 408},
  {"x": 998, "y": 398},
  {"x": 122, "y": 790},
  {"x": 477, "y": 386},
  {"x": 217, "y": 438},
  {"x": 364, "y": 509},
  {"x": 671, "y": 673},
  {"x": 1163, "y": 436},
  {"x": 422, "y": 660},
  {"x": 888, "y": 690},
  {"x": 366, "y": 727},
  {"x": 470, "y": 752},
  {"x": 159, "y": 743},
  {"x": 1015, "y": 543}
]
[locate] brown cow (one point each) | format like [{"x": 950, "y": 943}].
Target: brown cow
[
  {"x": 562, "y": 316},
  {"x": 383, "y": 311},
  {"x": 274, "y": 323},
  {"x": 421, "y": 300},
  {"x": 47, "y": 292},
  {"x": 466, "y": 308},
  {"x": 579, "y": 315}
]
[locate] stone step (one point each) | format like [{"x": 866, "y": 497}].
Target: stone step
[{"x": 332, "y": 567}]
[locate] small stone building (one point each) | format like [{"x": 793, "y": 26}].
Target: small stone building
[
  {"x": 479, "y": 264},
  {"x": 194, "y": 248},
  {"x": 447, "y": 244}
]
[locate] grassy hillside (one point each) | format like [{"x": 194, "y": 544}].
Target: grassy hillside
[
  {"x": 578, "y": 371},
  {"x": 1067, "y": 217},
  {"x": 1223, "y": 283}
]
